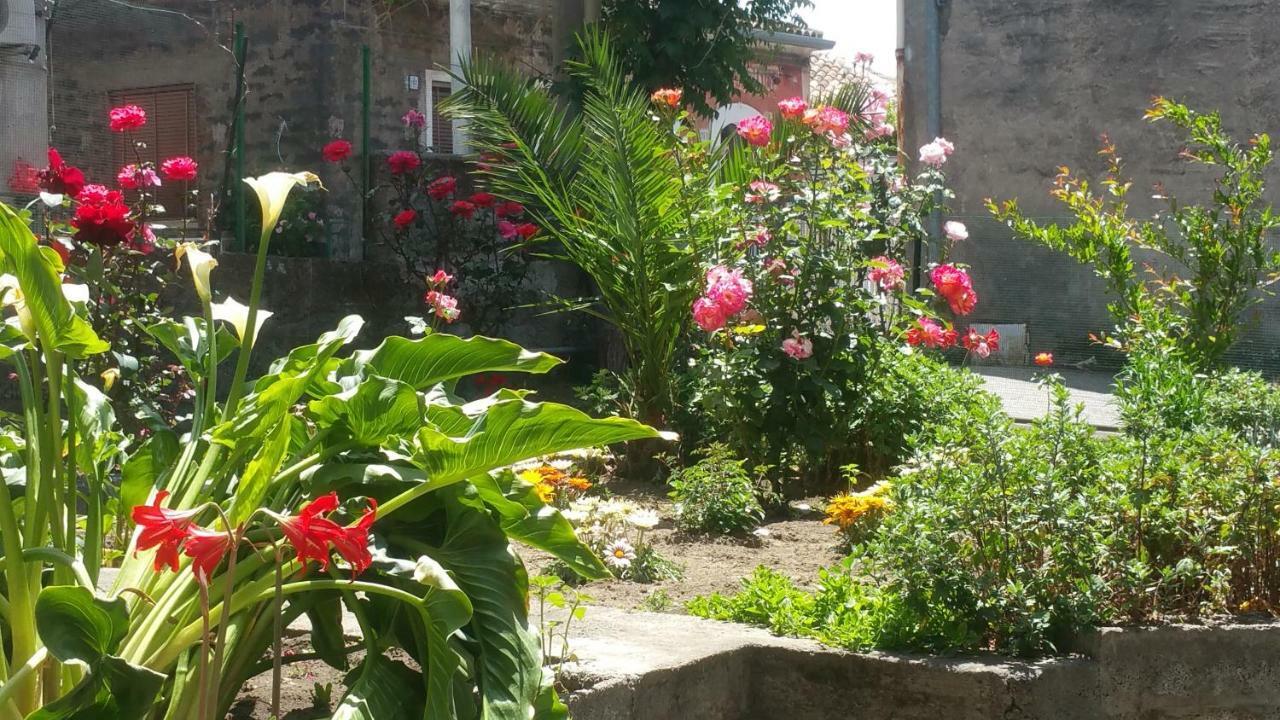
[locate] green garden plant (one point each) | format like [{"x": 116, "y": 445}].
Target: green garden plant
[
  {"x": 365, "y": 456},
  {"x": 1215, "y": 259},
  {"x": 717, "y": 494}
]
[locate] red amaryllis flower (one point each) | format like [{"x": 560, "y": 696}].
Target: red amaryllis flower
[
  {"x": 206, "y": 548},
  {"x": 527, "y": 230},
  {"x": 352, "y": 541},
  {"x": 509, "y": 208},
  {"x": 405, "y": 218},
  {"x": 403, "y": 161},
  {"x": 126, "y": 118},
  {"x": 101, "y": 217},
  {"x": 463, "y": 209},
  {"x": 309, "y": 531},
  {"x": 162, "y": 529},
  {"x": 60, "y": 178},
  {"x": 336, "y": 151},
  {"x": 180, "y": 169},
  {"x": 482, "y": 199},
  {"x": 442, "y": 187}
]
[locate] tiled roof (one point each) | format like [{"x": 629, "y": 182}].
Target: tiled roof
[{"x": 828, "y": 72}]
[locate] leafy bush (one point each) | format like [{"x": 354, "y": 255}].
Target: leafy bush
[
  {"x": 717, "y": 494},
  {"x": 1214, "y": 258}
]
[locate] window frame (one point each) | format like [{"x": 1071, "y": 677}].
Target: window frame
[{"x": 426, "y": 105}]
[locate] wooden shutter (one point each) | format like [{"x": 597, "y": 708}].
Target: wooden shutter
[
  {"x": 441, "y": 126},
  {"x": 170, "y": 131}
]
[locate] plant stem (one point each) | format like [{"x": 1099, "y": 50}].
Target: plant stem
[{"x": 251, "y": 324}]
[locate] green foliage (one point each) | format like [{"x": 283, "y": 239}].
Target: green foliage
[
  {"x": 303, "y": 230},
  {"x": 608, "y": 186},
  {"x": 717, "y": 494},
  {"x": 1215, "y": 258},
  {"x": 667, "y": 43}
]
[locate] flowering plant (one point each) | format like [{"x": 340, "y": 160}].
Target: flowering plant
[
  {"x": 433, "y": 225},
  {"x": 616, "y": 531},
  {"x": 365, "y": 456},
  {"x": 808, "y": 292}
]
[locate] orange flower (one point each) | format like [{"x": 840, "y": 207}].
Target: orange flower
[
  {"x": 1044, "y": 359},
  {"x": 667, "y": 96},
  {"x": 580, "y": 484}
]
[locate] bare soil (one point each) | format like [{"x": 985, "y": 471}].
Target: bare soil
[{"x": 796, "y": 545}]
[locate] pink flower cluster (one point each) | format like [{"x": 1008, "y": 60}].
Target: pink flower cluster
[
  {"x": 931, "y": 335},
  {"x": 756, "y": 130},
  {"x": 727, "y": 294},
  {"x": 797, "y": 347},
  {"x": 982, "y": 345},
  {"x": 877, "y": 113},
  {"x": 886, "y": 273},
  {"x": 444, "y": 306},
  {"x": 936, "y": 153}
]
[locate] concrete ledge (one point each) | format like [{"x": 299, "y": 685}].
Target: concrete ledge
[{"x": 645, "y": 666}]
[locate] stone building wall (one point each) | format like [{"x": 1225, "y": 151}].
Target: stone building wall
[{"x": 1030, "y": 85}]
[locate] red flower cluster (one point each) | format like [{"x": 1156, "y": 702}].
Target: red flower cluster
[
  {"x": 403, "y": 161},
  {"x": 482, "y": 199},
  {"x": 336, "y": 151},
  {"x": 955, "y": 287},
  {"x": 982, "y": 345},
  {"x": 101, "y": 217},
  {"x": 442, "y": 187},
  {"x": 60, "y": 178},
  {"x": 126, "y": 118},
  {"x": 179, "y": 169},
  {"x": 309, "y": 532},
  {"x": 510, "y": 208},
  {"x": 931, "y": 335},
  {"x": 463, "y": 209}
]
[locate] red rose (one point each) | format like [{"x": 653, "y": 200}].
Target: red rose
[
  {"x": 126, "y": 118},
  {"x": 403, "y": 161},
  {"x": 482, "y": 199},
  {"x": 442, "y": 187},
  {"x": 101, "y": 217},
  {"x": 527, "y": 230},
  {"x": 463, "y": 209},
  {"x": 509, "y": 208},
  {"x": 405, "y": 218},
  {"x": 336, "y": 151},
  {"x": 180, "y": 168},
  {"x": 60, "y": 178}
]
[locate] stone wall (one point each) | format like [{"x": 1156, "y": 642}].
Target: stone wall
[
  {"x": 1030, "y": 85},
  {"x": 645, "y": 666}
]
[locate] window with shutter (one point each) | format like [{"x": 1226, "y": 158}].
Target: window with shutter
[
  {"x": 170, "y": 131},
  {"x": 441, "y": 126}
]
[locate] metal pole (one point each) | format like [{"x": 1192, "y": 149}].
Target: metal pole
[
  {"x": 241, "y": 48},
  {"x": 365, "y": 160},
  {"x": 933, "y": 116}
]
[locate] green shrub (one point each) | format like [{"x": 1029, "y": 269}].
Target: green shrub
[{"x": 716, "y": 495}]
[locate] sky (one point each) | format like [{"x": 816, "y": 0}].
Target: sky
[{"x": 857, "y": 25}]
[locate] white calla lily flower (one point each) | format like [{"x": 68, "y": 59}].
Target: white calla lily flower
[
  {"x": 201, "y": 263},
  {"x": 75, "y": 293},
  {"x": 273, "y": 189},
  {"x": 237, "y": 314}
]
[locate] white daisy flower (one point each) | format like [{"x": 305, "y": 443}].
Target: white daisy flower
[
  {"x": 644, "y": 519},
  {"x": 619, "y": 554}
]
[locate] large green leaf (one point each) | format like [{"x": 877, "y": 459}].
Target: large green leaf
[
  {"x": 526, "y": 519},
  {"x": 508, "y": 664},
  {"x": 439, "y": 357},
  {"x": 372, "y": 411},
  {"x": 54, "y": 320},
  {"x": 498, "y": 434},
  {"x": 76, "y": 625},
  {"x": 112, "y": 690},
  {"x": 256, "y": 480},
  {"x": 188, "y": 342},
  {"x": 142, "y": 470},
  {"x": 383, "y": 689}
]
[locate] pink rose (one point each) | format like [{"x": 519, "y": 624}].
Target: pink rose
[
  {"x": 886, "y": 273},
  {"x": 797, "y": 347},
  {"x": 955, "y": 231},
  {"x": 708, "y": 314},
  {"x": 936, "y": 152},
  {"x": 792, "y": 108},
  {"x": 756, "y": 130}
]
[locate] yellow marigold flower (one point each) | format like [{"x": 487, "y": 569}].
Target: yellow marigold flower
[
  {"x": 551, "y": 475},
  {"x": 580, "y": 484},
  {"x": 845, "y": 510}
]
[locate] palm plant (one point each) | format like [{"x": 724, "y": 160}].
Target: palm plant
[{"x": 615, "y": 189}]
